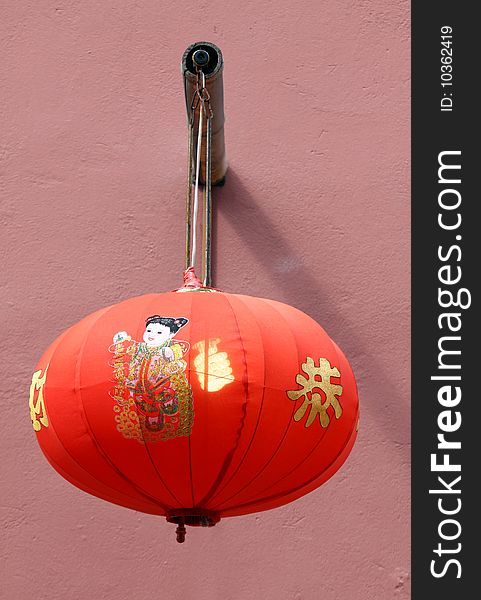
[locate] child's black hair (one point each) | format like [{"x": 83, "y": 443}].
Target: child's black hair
[{"x": 174, "y": 324}]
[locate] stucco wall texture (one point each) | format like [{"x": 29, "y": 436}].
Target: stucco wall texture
[{"x": 315, "y": 213}]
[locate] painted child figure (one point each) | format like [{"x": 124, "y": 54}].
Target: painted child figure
[{"x": 150, "y": 375}]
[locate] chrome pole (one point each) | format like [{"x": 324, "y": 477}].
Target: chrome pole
[
  {"x": 207, "y": 224},
  {"x": 202, "y": 67}
]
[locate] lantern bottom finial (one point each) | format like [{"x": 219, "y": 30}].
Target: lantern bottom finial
[
  {"x": 193, "y": 517},
  {"x": 180, "y": 533}
]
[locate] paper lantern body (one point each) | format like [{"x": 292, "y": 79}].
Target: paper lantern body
[{"x": 229, "y": 405}]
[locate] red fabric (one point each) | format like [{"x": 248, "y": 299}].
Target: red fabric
[{"x": 223, "y": 380}]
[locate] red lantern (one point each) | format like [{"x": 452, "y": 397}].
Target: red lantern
[{"x": 195, "y": 405}]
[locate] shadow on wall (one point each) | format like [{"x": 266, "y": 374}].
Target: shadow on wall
[{"x": 265, "y": 240}]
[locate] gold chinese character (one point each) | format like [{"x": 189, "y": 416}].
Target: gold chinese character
[
  {"x": 38, "y": 414},
  {"x": 317, "y": 378}
]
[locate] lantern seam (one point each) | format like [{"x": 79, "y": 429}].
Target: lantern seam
[
  {"x": 56, "y": 464},
  {"x": 140, "y": 506},
  {"x": 94, "y": 438},
  {"x": 245, "y": 381},
  {"x": 320, "y": 441},
  {"x": 304, "y": 485},
  {"x": 226, "y": 483},
  {"x": 107, "y": 461},
  {"x": 280, "y": 316},
  {"x": 139, "y": 336},
  {"x": 189, "y": 445}
]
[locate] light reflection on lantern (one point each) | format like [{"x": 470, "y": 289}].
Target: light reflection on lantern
[{"x": 213, "y": 368}]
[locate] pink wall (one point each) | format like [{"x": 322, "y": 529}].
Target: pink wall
[{"x": 315, "y": 213}]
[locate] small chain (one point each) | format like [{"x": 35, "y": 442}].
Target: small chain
[
  {"x": 201, "y": 95},
  {"x": 196, "y": 189},
  {"x": 201, "y": 101}
]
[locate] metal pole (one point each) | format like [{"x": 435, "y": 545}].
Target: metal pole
[
  {"x": 188, "y": 200},
  {"x": 207, "y": 241}
]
